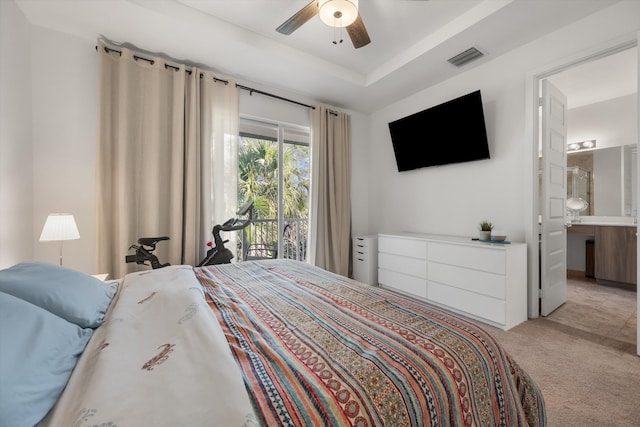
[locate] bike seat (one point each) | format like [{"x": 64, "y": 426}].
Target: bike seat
[{"x": 150, "y": 241}]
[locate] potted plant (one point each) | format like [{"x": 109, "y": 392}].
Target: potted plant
[{"x": 485, "y": 230}]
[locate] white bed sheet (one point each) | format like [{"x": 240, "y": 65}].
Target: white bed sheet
[{"x": 159, "y": 359}]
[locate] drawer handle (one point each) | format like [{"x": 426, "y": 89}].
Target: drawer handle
[{"x": 360, "y": 259}]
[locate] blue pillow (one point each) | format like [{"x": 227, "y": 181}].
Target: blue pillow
[
  {"x": 38, "y": 351},
  {"x": 70, "y": 294}
]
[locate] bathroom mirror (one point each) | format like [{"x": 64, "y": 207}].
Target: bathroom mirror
[{"x": 604, "y": 179}]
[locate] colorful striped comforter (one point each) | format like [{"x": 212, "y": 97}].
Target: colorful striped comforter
[{"x": 318, "y": 349}]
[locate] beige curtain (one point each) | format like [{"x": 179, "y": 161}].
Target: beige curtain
[
  {"x": 219, "y": 129},
  {"x": 154, "y": 157},
  {"x": 330, "y": 210}
]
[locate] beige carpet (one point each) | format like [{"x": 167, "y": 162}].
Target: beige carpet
[{"x": 585, "y": 363}]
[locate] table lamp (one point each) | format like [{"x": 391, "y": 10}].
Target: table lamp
[{"x": 59, "y": 227}]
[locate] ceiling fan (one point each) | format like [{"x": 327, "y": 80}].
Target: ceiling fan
[{"x": 335, "y": 13}]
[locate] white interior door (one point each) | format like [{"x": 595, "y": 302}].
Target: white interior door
[
  {"x": 637, "y": 182},
  {"x": 553, "y": 247}
]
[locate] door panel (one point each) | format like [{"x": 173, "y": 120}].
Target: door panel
[
  {"x": 553, "y": 254},
  {"x": 638, "y": 198},
  {"x": 273, "y": 171}
]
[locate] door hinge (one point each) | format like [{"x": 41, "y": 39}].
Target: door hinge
[
  {"x": 540, "y": 102},
  {"x": 540, "y": 293}
]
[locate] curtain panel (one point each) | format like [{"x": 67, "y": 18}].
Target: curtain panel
[
  {"x": 330, "y": 210},
  {"x": 159, "y": 129}
]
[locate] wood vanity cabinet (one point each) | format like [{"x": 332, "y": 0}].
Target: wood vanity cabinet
[{"x": 615, "y": 254}]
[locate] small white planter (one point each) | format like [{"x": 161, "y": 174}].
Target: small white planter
[{"x": 485, "y": 235}]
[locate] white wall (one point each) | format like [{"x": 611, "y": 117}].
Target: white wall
[
  {"x": 576, "y": 251},
  {"x": 453, "y": 199},
  {"x": 265, "y": 107},
  {"x": 16, "y": 166},
  {"x": 64, "y": 84},
  {"x": 611, "y": 123}
]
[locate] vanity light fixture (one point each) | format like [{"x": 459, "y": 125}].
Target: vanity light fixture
[{"x": 582, "y": 145}]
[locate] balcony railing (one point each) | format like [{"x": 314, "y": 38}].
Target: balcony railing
[{"x": 260, "y": 240}]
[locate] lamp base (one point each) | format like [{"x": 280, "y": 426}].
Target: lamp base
[{"x": 60, "y": 253}]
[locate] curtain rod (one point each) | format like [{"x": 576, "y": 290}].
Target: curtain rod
[{"x": 215, "y": 79}]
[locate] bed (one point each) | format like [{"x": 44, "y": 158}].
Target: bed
[{"x": 283, "y": 343}]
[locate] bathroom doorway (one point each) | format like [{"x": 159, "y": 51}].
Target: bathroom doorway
[{"x": 601, "y": 131}]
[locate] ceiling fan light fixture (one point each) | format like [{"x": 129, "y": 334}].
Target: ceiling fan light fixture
[{"x": 338, "y": 13}]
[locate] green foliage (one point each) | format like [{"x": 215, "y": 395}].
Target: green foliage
[
  {"x": 486, "y": 226},
  {"x": 258, "y": 178}
]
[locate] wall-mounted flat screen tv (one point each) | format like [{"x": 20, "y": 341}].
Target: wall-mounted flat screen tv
[{"x": 452, "y": 132}]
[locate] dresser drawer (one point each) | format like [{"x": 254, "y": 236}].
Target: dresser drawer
[
  {"x": 360, "y": 249},
  {"x": 484, "y": 281},
  {"x": 477, "y": 258},
  {"x": 469, "y": 302},
  {"x": 400, "y": 264},
  {"x": 365, "y": 245},
  {"x": 403, "y": 282},
  {"x": 360, "y": 256},
  {"x": 481, "y": 282},
  {"x": 364, "y": 272},
  {"x": 363, "y": 241},
  {"x": 403, "y": 247}
]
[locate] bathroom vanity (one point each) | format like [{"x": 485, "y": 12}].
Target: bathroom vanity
[{"x": 614, "y": 250}]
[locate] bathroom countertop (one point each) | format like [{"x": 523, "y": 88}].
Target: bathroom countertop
[{"x": 614, "y": 221}]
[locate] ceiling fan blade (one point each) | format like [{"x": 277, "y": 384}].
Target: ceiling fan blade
[
  {"x": 358, "y": 33},
  {"x": 296, "y": 21}
]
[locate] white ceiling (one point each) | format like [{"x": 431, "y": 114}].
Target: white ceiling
[
  {"x": 411, "y": 40},
  {"x": 599, "y": 80}
]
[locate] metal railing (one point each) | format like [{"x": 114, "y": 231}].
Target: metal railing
[{"x": 260, "y": 239}]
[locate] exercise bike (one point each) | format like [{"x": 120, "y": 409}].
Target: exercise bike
[
  {"x": 218, "y": 254},
  {"x": 144, "y": 252}
]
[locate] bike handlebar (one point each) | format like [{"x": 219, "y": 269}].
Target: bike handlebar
[
  {"x": 245, "y": 208},
  {"x": 233, "y": 225}
]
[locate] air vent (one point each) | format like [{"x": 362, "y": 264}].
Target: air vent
[{"x": 465, "y": 57}]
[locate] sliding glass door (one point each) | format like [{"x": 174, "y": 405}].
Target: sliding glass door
[{"x": 273, "y": 172}]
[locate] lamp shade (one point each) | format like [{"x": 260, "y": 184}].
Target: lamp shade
[
  {"x": 338, "y": 13},
  {"x": 59, "y": 226}
]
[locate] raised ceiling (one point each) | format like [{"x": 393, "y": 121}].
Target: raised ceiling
[
  {"x": 601, "y": 79},
  {"x": 411, "y": 40}
]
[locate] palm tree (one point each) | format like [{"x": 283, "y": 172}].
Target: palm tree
[{"x": 258, "y": 180}]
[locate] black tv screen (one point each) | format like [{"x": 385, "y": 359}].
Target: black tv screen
[{"x": 452, "y": 132}]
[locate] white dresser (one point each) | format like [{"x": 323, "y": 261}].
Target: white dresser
[
  {"x": 365, "y": 259},
  {"x": 483, "y": 281}
]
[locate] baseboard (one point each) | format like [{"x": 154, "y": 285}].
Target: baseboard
[
  {"x": 576, "y": 274},
  {"x": 621, "y": 285}
]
